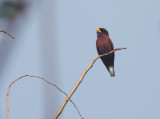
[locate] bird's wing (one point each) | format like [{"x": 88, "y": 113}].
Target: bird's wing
[
  {"x": 98, "y": 51},
  {"x": 111, "y": 44}
]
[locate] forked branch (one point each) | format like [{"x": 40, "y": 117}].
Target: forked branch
[{"x": 79, "y": 81}]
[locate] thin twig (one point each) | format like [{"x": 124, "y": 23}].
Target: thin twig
[
  {"x": 79, "y": 81},
  {"x": 7, "y": 33},
  {"x": 39, "y": 78}
]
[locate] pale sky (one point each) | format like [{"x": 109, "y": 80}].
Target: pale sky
[{"x": 132, "y": 94}]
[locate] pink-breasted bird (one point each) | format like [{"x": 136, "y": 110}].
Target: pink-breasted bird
[{"x": 105, "y": 45}]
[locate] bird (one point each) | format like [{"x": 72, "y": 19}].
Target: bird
[{"x": 105, "y": 45}]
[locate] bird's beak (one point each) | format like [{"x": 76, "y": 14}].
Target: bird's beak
[{"x": 98, "y": 30}]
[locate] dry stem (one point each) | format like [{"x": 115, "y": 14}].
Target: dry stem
[
  {"x": 79, "y": 81},
  {"x": 7, "y": 33},
  {"x": 39, "y": 78}
]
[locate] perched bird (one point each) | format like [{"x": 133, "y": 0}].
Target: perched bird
[{"x": 105, "y": 45}]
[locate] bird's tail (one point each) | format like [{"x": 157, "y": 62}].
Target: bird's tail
[{"x": 111, "y": 71}]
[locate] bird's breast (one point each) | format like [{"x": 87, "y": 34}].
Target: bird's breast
[{"x": 104, "y": 44}]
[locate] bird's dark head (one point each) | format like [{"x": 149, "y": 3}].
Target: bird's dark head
[{"x": 101, "y": 31}]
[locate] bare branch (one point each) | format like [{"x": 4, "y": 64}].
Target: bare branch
[
  {"x": 7, "y": 33},
  {"x": 79, "y": 81},
  {"x": 72, "y": 91},
  {"x": 39, "y": 78}
]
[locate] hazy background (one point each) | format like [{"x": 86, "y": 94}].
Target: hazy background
[{"x": 56, "y": 39}]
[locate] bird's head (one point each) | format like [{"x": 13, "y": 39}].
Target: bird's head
[{"x": 101, "y": 31}]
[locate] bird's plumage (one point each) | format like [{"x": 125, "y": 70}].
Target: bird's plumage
[{"x": 105, "y": 45}]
